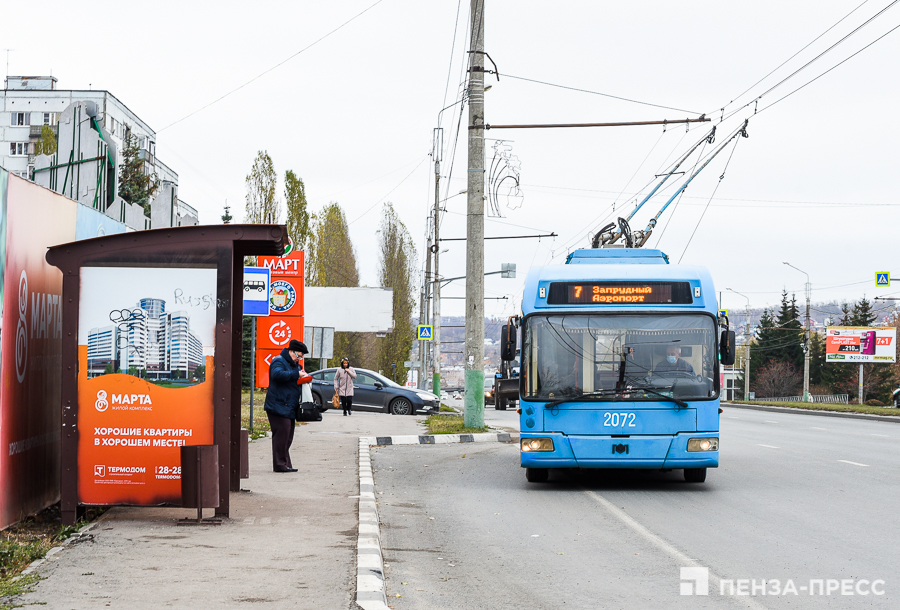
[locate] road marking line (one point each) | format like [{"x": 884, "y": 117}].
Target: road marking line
[
  {"x": 664, "y": 546},
  {"x": 767, "y": 446},
  {"x": 769, "y": 421},
  {"x": 854, "y": 463},
  {"x": 882, "y": 435},
  {"x": 814, "y": 428}
]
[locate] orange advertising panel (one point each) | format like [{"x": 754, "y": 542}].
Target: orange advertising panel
[
  {"x": 145, "y": 388},
  {"x": 286, "y": 296},
  {"x": 263, "y": 362},
  {"x": 289, "y": 265},
  {"x": 276, "y": 332},
  {"x": 32, "y": 219}
]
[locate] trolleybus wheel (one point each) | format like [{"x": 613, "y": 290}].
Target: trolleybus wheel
[
  {"x": 536, "y": 475},
  {"x": 695, "y": 475}
]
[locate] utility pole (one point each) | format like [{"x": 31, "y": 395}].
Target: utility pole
[
  {"x": 474, "y": 346},
  {"x": 859, "y": 395},
  {"x": 423, "y": 316},
  {"x": 423, "y": 384},
  {"x": 436, "y": 332}
]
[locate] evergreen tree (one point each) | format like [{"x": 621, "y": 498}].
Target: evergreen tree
[
  {"x": 791, "y": 333},
  {"x": 762, "y": 348},
  {"x": 817, "y": 363},
  {"x": 136, "y": 186},
  {"x": 227, "y": 217}
]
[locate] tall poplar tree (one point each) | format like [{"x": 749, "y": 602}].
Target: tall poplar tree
[
  {"x": 297, "y": 213},
  {"x": 397, "y": 264},
  {"x": 262, "y": 201}
]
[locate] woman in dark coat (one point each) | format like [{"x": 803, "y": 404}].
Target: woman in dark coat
[{"x": 282, "y": 400}]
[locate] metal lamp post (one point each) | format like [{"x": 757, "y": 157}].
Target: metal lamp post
[
  {"x": 747, "y": 344},
  {"x": 806, "y": 341}
]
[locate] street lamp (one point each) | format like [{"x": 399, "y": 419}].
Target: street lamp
[
  {"x": 747, "y": 344},
  {"x": 806, "y": 341}
]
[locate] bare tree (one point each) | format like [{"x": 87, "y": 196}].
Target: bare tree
[
  {"x": 262, "y": 203},
  {"x": 778, "y": 378}
]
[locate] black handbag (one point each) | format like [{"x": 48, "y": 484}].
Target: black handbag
[{"x": 307, "y": 411}]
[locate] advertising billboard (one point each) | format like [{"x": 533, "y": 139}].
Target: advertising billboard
[
  {"x": 31, "y": 345},
  {"x": 286, "y": 309},
  {"x": 146, "y": 339},
  {"x": 860, "y": 344}
]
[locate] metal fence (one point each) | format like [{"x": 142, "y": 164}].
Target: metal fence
[{"x": 834, "y": 398}]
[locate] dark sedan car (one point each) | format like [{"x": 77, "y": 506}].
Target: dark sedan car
[{"x": 374, "y": 392}]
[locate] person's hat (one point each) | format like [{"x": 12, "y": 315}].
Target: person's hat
[{"x": 297, "y": 346}]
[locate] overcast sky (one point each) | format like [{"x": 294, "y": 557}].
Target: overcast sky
[{"x": 353, "y": 115}]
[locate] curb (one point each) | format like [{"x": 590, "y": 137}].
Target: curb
[
  {"x": 866, "y": 416},
  {"x": 370, "y": 594},
  {"x": 370, "y": 588},
  {"x": 438, "y": 439},
  {"x": 34, "y": 565}
]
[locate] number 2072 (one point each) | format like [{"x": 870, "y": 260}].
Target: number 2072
[{"x": 619, "y": 420}]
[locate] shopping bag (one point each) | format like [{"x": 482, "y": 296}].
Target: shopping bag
[{"x": 336, "y": 401}]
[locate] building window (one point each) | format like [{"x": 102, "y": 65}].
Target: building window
[
  {"x": 18, "y": 149},
  {"x": 19, "y": 118},
  {"x": 50, "y": 118}
]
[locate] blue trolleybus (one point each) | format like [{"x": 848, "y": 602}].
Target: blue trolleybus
[{"x": 620, "y": 361}]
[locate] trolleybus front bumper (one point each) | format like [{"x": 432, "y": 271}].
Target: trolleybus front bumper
[{"x": 645, "y": 451}]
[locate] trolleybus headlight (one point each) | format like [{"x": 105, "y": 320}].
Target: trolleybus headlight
[
  {"x": 703, "y": 444},
  {"x": 537, "y": 444}
]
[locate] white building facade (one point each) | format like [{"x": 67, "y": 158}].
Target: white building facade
[{"x": 27, "y": 104}]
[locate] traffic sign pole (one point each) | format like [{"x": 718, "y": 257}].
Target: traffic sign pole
[{"x": 252, "y": 369}]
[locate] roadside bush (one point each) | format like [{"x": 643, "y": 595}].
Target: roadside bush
[{"x": 872, "y": 402}]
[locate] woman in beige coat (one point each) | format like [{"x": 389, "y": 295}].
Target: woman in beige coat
[{"x": 343, "y": 385}]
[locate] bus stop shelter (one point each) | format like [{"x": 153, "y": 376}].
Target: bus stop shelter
[{"x": 151, "y": 359}]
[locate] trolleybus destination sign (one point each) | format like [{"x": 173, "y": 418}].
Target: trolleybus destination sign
[{"x": 619, "y": 293}]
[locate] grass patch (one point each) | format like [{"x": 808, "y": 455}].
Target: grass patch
[
  {"x": 450, "y": 424},
  {"x": 446, "y": 409},
  {"x": 819, "y": 406},
  {"x": 27, "y": 541},
  {"x": 260, "y": 421}
]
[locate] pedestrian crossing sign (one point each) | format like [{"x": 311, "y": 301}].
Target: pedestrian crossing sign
[
  {"x": 425, "y": 332},
  {"x": 883, "y": 278}
]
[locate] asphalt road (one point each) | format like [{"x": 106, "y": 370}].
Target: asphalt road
[{"x": 797, "y": 498}]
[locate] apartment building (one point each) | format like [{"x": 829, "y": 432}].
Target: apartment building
[{"x": 90, "y": 149}]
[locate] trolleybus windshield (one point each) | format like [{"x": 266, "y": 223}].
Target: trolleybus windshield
[{"x": 613, "y": 357}]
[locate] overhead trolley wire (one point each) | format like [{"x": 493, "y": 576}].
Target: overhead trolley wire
[
  {"x": 615, "y": 97},
  {"x": 738, "y": 96},
  {"x": 276, "y": 66}
]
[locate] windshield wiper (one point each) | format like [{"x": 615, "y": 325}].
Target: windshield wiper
[{"x": 677, "y": 401}]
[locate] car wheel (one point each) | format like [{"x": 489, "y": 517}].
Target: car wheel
[
  {"x": 320, "y": 404},
  {"x": 695, "y": 475},
  {"x": 401, "y": 406},
  {"x": 537, "y": 475},
  {"x": 897, "y": 403}
]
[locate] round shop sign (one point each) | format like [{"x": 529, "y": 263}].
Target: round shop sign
[{"x": 282, "y": 296}]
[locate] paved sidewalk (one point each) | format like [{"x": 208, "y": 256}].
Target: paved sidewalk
[{"x": 291, "y": 541}]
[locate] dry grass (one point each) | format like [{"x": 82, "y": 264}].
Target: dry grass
[
  {"x": 260, "y": 421},
  {"x": 450, "y": 424}
]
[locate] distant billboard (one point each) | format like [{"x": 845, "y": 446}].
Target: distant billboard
[{"x": 860, "y": 344}]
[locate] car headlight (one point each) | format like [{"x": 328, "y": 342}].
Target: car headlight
[
  {"x": 426, "y": 396},
  {"x": 703, "y": 444},
  {"x": 537, "y": 444}
]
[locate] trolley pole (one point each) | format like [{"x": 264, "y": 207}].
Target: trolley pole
[
  {"x": 474, "y": 346},
  {"x": 436, "y": 334},
  {"x": 806, "y": 341},
  {"x": 860, "y": 398}
]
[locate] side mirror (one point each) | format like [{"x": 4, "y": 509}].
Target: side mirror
[
  {"x": 378, "y": 385},
  {"x": 508, "y": 342},
  {"x": 726, "y": 348}
]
